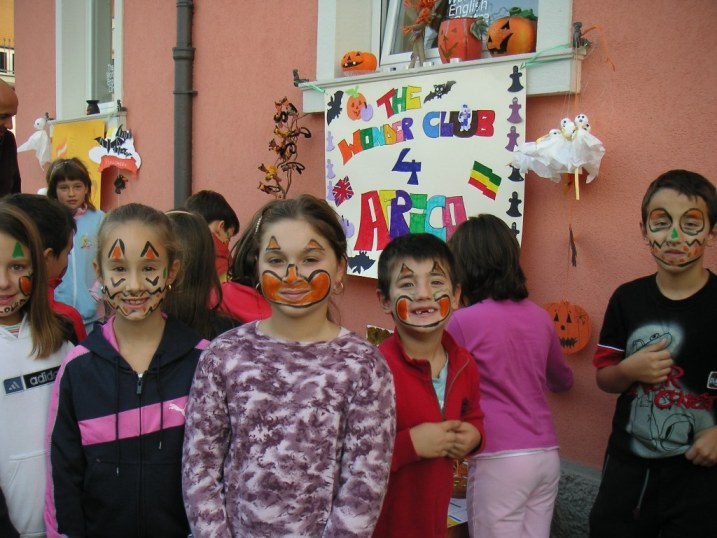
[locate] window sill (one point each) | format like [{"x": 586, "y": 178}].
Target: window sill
[
  {"x": 555, "y": 72},
  {"x": 121, "y": 118}
]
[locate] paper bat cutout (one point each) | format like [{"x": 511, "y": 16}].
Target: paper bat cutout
[
  {"x": 334, "y": 107},
  {"x": 439, "y": 90},
  {"x": 360, "y": 262}
]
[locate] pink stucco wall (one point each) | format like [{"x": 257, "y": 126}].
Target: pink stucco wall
[{"x": 653, "y": 112}]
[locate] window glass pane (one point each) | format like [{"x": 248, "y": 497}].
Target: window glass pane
[
  {"x": 102, "y": 65},
  {"x": 400, "y": 41}
]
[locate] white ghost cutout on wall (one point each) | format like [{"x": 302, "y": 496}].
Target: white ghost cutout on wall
[{"x": 40, "y": 142}]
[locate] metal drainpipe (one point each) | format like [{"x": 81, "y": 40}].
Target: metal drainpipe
[{"x": 183, "y": 55}]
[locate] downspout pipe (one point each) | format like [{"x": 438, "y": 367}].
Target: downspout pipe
[{"x": 183, "y": 55}]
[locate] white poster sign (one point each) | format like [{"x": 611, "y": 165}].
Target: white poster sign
[{"x": 423, "y": 154}]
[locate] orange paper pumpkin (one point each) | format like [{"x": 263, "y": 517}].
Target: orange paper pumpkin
[
  {"x": 572, "y": 324},
  {"x": 355, "y": 104},
  {"x": 356, "y": 61},
  {"x": 515, "y": 34}
]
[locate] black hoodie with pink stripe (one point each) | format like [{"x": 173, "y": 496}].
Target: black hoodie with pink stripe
[{"x": 115, "y": 439}]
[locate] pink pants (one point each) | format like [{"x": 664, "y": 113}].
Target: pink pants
[{"x": 513, "y": 497}]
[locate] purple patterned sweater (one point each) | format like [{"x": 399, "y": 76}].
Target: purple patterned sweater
[{"x": 287, "y": 438}]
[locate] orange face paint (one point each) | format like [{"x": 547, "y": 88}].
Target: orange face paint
[{"x": 294, "y": 289}]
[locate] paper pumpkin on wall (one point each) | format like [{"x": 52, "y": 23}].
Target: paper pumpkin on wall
[
  {"x": 356, "y": 62},
  {"x": 356, "y": 103},
  {"x": 515, "y": 34},
  {"x": 572, "y": 324}
]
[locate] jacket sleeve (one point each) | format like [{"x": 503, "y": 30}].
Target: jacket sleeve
[
  {"x": 559, "y": 376},
  {"x": 66, "y": 466},
  {"x": 366, "y": 458},
  {"x": 403, "y": 451},
  {"x": 206, "y": 442}
]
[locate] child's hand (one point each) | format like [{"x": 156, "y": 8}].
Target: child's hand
[
  {"x": 467, "y": 438},
  {"x": 434, "y": 439},
  {"x": 652, "y": 364},
  {"x": 704, "y": 450}
]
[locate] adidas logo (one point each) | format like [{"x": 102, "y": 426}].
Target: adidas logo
[{"x": 13, "y": 385}]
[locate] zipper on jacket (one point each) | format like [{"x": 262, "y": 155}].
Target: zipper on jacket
[
  {"x": 140, "y": 384},
  {"x": 450, "y": 386}
]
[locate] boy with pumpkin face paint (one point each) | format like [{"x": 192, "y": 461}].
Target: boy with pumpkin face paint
[
  {"x": 438, "y": 416},
  {"x": 656, "y": 351}
]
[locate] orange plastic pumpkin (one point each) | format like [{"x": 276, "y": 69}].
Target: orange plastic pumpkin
[
  {"x": 515, "y": 34},
  {"x": 355, "y": 61},
  {"x": 572, "y": 324},
  {"x": 456, "y": 41}
]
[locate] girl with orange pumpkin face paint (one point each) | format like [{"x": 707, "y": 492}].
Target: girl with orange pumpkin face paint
[
  {"x": 296, "y": 376},
  {"x": 292, "y": 288}
]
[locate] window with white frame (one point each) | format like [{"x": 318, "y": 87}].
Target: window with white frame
[
  {"x": 368, "y": 25},
  {"x": 88, "y": 55}
]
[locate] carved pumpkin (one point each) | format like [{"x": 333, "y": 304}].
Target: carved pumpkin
[
  {"x": 572, "y": 324},
  {"x": 357, "y": 62},
  {"x": 515, "y": 34},
  {"x": 455, "y": 40}
]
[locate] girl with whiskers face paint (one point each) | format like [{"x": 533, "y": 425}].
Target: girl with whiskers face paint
[
  {"x": 117, "y": 413},
  {"x": 291, "y": 419},
  {"x": 33, "y": 341}
]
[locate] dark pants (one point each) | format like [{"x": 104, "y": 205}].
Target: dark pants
[{"x": 647, "y": 499}]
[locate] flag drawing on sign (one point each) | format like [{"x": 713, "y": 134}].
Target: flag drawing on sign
[
  {"x": 483, "y": 179},
  {"x": 343, "y": 191}
]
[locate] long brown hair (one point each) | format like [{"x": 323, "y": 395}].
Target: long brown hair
[
  {"x": 197, "y": 284},
  {"x": 487, "y": 260},
  {"x": 46, "y": 327},
  {"x": 64, "y": 169}
]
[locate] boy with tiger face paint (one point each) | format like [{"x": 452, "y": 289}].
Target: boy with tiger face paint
[
  {"x": 656, "y": 352},
  {"x": 438, "y": 416}
]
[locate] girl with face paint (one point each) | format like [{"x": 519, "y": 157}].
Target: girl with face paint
[
  {"x": 290, "y": 421},
  {"x": 117, "y": 413},
  {"x": 33, "y": 341}
]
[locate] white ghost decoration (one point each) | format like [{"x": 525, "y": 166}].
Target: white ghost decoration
[
  {"x": 562, "y": 151},
  {"x": 40, "y": 142}
]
